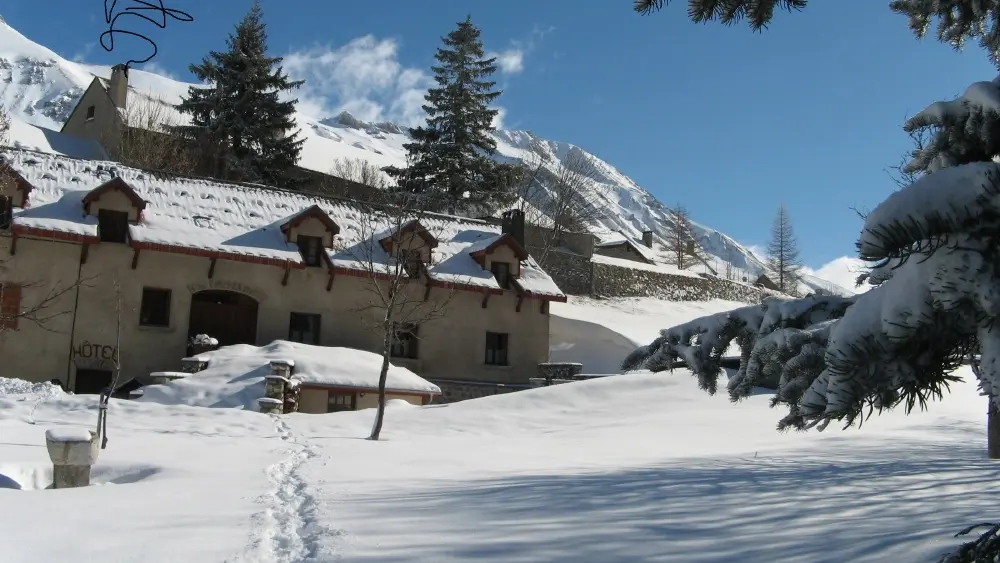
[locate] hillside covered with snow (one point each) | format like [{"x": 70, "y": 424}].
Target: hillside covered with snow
[{"x": 41, "y": 88}]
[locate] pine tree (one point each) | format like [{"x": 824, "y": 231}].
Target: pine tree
[
  {"x": 452, "y": 168},
  {"x": 783, "y": 253},
  {"x": 238, "y": 121}
]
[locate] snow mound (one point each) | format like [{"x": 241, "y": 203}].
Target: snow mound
[
  {"x": 235, "y": 375},
  {"x": 26, "y": 389}
]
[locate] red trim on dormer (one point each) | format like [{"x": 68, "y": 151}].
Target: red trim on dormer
[
  {"x": 115, "y": 184},
  {"x": 19, "y": 182},
  {"x": 315, "y": 212},
  {"x": 503, "y": 240}
]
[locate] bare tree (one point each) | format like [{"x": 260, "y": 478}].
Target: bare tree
[
  {"x": 361, "y": 171},
  {"x": 681, "y": 240},
  {"x": 393, "y": 247},
  {"x": 142, "y": 140},
  {"x": 560, "y": 198},
  {"x": 783, "y": 253}
]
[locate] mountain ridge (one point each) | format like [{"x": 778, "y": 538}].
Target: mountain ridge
[{"x": 40, "y": 87}]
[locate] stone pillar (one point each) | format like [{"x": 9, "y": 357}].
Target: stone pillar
[
  {"x": 73, "y": 452},
  {"x": 274, "y": 386},
  {"x": 193, "y": 364},
  {"x": 282, "y": 367},
  {"x": 270, "y": 406},
  {"x": 161, "y": 377}
]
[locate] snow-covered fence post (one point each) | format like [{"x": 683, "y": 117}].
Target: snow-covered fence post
[{"x": 73, "y": 451}]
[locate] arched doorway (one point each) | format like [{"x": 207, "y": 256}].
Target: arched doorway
[{"x": 227, "y": 316}]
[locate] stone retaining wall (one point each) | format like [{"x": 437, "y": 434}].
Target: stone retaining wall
[
  {"x": 454, "y": 391},
  {"x": 578, "y": 275}
]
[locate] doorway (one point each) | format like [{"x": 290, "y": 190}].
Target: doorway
[{"x": 227, "y": 316}]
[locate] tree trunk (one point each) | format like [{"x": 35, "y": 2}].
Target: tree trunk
[
  {"x": 380, "y": 412},
  {"x": 993, "y": 431}
]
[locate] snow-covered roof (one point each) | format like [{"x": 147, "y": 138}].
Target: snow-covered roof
[
  {"x": 26, "y": 136},
  {"x": 623, "y": 239},
  {"x": 234, "y": 377},
  {"x": 239, "y": 222}
]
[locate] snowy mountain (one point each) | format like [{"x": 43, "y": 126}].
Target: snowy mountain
[{"x": 41, "y": 88}]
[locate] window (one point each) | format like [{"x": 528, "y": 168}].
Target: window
[
  {"x": 6, "y": 211},
  {"x": 501, "y": 271},
  {"x": 411, "y": 263},
  {"x": 496, "y": 349},
  {"x": 155, "y": 307},
  {"x": 112, "y": 226},
  {"x": 404, "y": 341},
  {"x": 310, "y": 248},
  {"x": 10, "y": 305},
  {"x": 91, "y": 110},
  {"x": 339, "y": 403},
  {"x": 304, "y": 328}
]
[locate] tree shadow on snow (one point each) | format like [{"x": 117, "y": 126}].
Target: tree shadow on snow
[{"x": 891, "y": 504}]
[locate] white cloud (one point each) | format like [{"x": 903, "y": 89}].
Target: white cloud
[
  {"x": 81, "y": 55},
  {"x": 363, "y": 77},
  {"x": 510, "y": 61},
  {"x": 498, "y": 118},
  {"x": 842, "y": 271}
]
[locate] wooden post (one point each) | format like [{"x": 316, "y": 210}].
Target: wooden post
[{"x": 993, "y": 431}]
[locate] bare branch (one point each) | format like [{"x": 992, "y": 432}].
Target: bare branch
[{"x": 143, "y": 139}]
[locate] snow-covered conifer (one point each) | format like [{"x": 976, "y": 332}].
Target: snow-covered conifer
[
  {"x": 452, "y": 168},
  {"x": 239, "y": 121}
]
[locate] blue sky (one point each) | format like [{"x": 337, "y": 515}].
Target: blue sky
[{"x": 727, "y": 122}]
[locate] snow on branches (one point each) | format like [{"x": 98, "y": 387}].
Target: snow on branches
[{"x": 896, "y": 344}]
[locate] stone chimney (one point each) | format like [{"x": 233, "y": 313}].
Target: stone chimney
[
  {"x": 513, "y": 224},
  {"x": 118, "y": 90},
  {"x": 647, "y": 238}
]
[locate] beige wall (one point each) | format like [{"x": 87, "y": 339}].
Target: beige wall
[
  {"x": 311, "y": 227},
  {"x": 314, "y": 401},
  {"x": 115, "y": 200},
  {"x": 106, "y": 118},
  {"x": 451, "y": 346}
]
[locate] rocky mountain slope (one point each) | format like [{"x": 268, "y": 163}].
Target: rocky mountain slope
[{"x": 41, "y": 88}]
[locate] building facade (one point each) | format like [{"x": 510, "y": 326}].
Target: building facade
[{"x": 105, "y": 267}]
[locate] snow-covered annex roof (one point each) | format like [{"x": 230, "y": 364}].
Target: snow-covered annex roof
[
  {"x": 239, "y": 222},
  {"x": 623, "y": 239}
]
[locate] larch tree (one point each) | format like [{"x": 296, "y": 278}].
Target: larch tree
[
  {"x": 681, "y": 240},
  {"x": 239, "y": 122},
  {"x": 783, "y": 253},
  {"x": 933, "y": 246},
  {"x": 451, "y": 166}
]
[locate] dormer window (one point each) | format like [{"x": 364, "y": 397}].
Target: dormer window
[
  {"x": 501, "y": 271},
  {"x": 311, "y": 249},
  {"x": 112, "y": 226},
  {"x": 6, "y": 212}
]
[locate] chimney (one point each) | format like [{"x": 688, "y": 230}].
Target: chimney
[
  {"x": 119, "y": 85},
  {"x": 647, "y": 238},
  {"x": 513, "y": 224}
]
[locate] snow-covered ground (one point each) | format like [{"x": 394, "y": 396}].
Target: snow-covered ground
[{"x": 627, "y": 468}]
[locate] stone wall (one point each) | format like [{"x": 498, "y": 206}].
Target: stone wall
[
  {"x": 617, "y": 281},
  {"x": 454, "y": 391},
  {"x": 573, "y": 273}
]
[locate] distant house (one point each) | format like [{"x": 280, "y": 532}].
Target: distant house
[
  {"x": 244, "y": 265},
  {"x": 103, "y": 111},
  {"x": 626, "y": 247},
  {"x": 764, "y": 281}
]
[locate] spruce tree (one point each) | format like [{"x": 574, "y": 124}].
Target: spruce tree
[
  {"x": 450, "y": 156},
  {"x": 783, "y": 253},
  {"x": 239, "y": 122}
]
